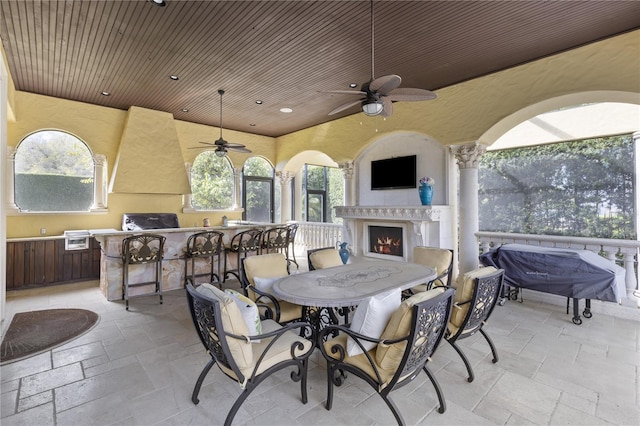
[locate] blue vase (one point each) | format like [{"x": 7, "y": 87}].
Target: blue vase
[
  {"x": 426, "y": 194},
  {"x": 343, "y": 252}
]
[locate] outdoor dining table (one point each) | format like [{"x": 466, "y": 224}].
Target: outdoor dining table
[{"x": 323, "y": 290}]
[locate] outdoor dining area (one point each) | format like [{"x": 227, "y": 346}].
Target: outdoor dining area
[
  {"x": 375, "y": 320},
  {"x": 141, "y": 366}
]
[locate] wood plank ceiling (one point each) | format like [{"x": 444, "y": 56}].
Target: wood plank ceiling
[{"x": 283, "y": 53}]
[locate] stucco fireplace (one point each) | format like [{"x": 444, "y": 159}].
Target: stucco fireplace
[{"x": 418, "y": 226}]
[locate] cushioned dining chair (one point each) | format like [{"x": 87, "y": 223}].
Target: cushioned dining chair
[
  {"x": 325, "y": 257},
  {"x": 257, "y": 275},
  {"x": 276, "y": 240},
  {"x": 440, "y": 259},
  {"x": 410, "y": 338},
  {"x": 245, "y": 359},
  {"x": 475, "y": 298}
]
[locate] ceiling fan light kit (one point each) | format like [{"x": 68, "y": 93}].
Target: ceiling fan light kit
[
  {"x": 372, "y": 108},
  {"x": 220, "y": 144},
  {"x": 377, "y": 95}
]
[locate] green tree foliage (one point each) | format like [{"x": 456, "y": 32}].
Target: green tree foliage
[
  {"x": 581, "y": 188},
  {"x": 53, "y": 172},
  {"x": 53, "y": 152},
  {"x": 211, "y": 182}
]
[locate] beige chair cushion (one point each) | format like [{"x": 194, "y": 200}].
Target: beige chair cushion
[
  {"x": 388, "y": 357},
  {"x": 268, "y": 268},
  {"x": 273, "y": 265},
  {"x": 464, "y": 291},
  {"x": 280, "y": 351},
  {"x": 322, "y": 259},
  {"x": 360, "y": 360},
  {"x": 232, "y": 322},
  {"x": 433, "y": 257}
]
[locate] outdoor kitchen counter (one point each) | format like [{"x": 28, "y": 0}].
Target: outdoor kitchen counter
[{"x": 110, "y": 241}]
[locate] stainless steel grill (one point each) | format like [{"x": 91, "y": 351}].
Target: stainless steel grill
[{"x": 144, "y": 221}]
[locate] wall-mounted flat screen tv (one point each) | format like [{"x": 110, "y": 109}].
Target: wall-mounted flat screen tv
[{"x": 393, "y": 173}]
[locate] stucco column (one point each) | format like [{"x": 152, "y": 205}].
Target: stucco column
[
  {"x": 468, "y": 157},
  {"x": 100, "y": 186},
  {"x": 347, "y": 168},
  {"x": 11, "y": 196},
  {"x": 285, "y": 178},
  {"x": 187, "y": 199},
  {"x": 631, "y": 285},
  {"x": 237, "y": 181}
]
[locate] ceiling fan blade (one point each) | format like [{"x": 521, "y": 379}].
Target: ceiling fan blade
[
  {"x": 345, "y": 92},
  {"x": 234, "y": 145},
  {"x": 239, "y": 149},
  {"x": 207, "y": 143},
  {"x": 387, "y": 109},
  {"x": 411, "y": 95},
  {"x": 385, "y": 84},
  {"x": 346, "y": 106}
]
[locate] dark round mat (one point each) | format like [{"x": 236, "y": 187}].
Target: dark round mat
[{"x": 33, "y": 332}]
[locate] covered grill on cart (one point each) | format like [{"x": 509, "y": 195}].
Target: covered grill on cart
[{"x": 575, "y": 274}]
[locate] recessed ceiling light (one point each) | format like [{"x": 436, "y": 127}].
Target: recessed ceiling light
[
  {"x": 259, "y": 102},
  {"x": 286, "y": 110},
  {"x": 353, "y": 85},
  {"x": 174, "y": 77},
  {"x": 252, "y": 124},
  {"x": 185, "y": 109},
  {"x": 160, "y": 3},
  {"x": 105, "y": 93}
]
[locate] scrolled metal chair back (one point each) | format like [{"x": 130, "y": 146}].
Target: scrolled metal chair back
[
  {"x": 430, "y": 320},
  {"x": 145, "y": 248},
  {"x": 204, "y": 244}
]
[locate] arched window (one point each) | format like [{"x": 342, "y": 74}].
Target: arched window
[
  {"x": 53, "y": 171},
  {"x": 212, "y": 182},
  {"x": 258, "y": 190}
]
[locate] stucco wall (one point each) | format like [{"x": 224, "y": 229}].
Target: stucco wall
[{"x": 463, "y": 113}]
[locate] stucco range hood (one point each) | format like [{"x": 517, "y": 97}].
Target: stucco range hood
[{"x": 149, "y": 146}]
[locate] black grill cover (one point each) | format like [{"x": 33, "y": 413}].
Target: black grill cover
[
  {"x": 580, "y": 274},
  {"x": 143, "y": 221}
]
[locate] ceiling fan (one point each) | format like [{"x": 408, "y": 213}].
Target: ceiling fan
[
  {"x": 222, "y": 146},
  {"x": 377, "y": 95}
]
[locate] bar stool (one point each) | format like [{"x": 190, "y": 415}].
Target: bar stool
[
  {"x": 203, "y": 245},
  {"x": 241, "y": 245},
  {"x": 275, "y": 240},
  {"x": 141, "y": 250},
  {"x": 291, "y": 240}
]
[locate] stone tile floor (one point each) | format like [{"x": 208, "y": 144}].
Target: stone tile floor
[{"x": 139, "y": 368}]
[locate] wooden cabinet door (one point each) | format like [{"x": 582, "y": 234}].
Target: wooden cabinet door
[
  {"x": 39, "y": 263},
  {"x": 31, "y": 263}
]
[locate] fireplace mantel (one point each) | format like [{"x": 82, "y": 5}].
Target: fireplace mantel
[
  {"x": 427, "y": 225},
  {"x": 411, "y": 213}
]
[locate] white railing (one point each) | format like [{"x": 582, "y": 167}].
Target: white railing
[
  {"x": 312, "y": 235},
  {"x": 623, "y": 252}
]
